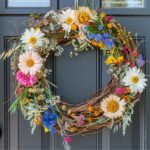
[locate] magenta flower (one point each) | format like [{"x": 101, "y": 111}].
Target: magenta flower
[
  {"x": 125, "y": 49},
  {"x": 67, "y": 139},
  {"x": 25, "y": 80},
  {"x": 108, "y": 18},
  {"x": 119, "y": 90}
]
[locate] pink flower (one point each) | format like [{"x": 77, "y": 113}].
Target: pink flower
[
  {"x": 25, "y": 80},
  {"x": 67, "y": 139},
  {"x": 119, "y": 90},
  {"x": 80, "y": 120},
  {"x": 108, "y": 18}
]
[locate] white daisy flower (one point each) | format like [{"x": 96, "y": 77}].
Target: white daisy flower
[
  {"x": 135, "y": 79},
  {"x": 66, "y": 19},
  {"x": 83, "y": 15},
  {"x": 30, "y": 62},
  {"x": 113, "y": 106},
  {"x": 32, "y": 38}
]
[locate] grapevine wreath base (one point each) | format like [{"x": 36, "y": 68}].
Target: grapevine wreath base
[{"x": 85, "y": 29}]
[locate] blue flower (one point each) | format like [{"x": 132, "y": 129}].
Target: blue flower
[
  {"x": 49, "y": 120},
  {"x": 85, "y": 28},
  {"x": 109, "y": 43},
  {"x": 90, "y": 35},
  {"x": 106, "y": 35},
  {"x": 98, "y": 37},
  {"x": 140, "y": 61},
  {"x": 100, "y": 27}
]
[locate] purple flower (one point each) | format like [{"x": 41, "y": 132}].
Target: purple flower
[
  {"x": 106, "y": 35},
  {"x": 98, "y": 37},
  {"x": 109, "y": 43},
  {"x": 100, "y": 27},
  {"x": 140, "y": 61},
  {"x": 90, "y": 35}
]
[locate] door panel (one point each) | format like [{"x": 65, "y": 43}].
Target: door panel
[{"x": 77, "y": 78}]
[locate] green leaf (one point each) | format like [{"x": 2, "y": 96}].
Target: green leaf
[{"x": 14, "y": 105}]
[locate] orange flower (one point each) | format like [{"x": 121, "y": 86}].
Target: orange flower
[
  {"x": 74, "y": 27},
  {"x": 110, "y": 25},
  {"x": 126, "y": 98},
  {"x": 38, "y": 121},
  {"x": 94, "y": 43},
  {"x": 90, "y": 109},
  {"x": 96, "y": 113}
]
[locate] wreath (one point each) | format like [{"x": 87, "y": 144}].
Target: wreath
[{"x": 85, "y": 29}]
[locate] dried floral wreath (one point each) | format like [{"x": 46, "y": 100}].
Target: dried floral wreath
[{"x": 85, "y": 29}]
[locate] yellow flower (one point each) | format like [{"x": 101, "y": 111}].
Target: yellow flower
[
  {"x": 73, "y": 129},
  {"x": 32, "y": 90},
  {"x": 46, "y": 130},
  {"x": 110, "y": 25},
  {"x": 41, "y": 97},
  {"x": 120, "y": 59},
  {"x": 111, "y": 51},
  {"x": 102, "y": 15},
  {"x": 111, "y": 59},
  {"x": 63, "y": 107},
  {"x": 26, "y": 101},
  {"x": 102, "y": 45},
  {"x": 90, "y": 120}
]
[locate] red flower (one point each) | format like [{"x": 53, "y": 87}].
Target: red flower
[
  {"x": 108, "y": 18},
  {"x": 132, "y": 65},
  {"x": 134, "y": 53},
  {"x": 19, "y": 91},
  {"x": 125, "y": 49}
]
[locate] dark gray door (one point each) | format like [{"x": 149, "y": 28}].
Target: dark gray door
[{"x": 84, "y": 74}]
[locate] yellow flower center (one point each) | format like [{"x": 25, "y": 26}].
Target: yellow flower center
[
  {"x": 135, "y": 79},
  {"x": 32, "y": 40},
  {"x": 30, "y": 63},
  {"x": 112, "y": 106},
  {"x": 83, "y": 17},
  {"x": 69, "y": 20}
]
